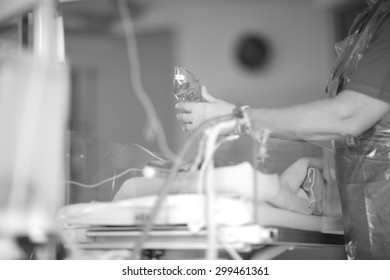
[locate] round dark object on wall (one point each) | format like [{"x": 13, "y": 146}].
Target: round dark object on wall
[{"x": 252, "y": 52}]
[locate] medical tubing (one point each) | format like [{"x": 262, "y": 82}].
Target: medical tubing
[
  {"x": 115, "y": 168},
  {"x": 229, "y": 249},
  {"x": 135, "y": 77},
  {"x": 198, "y": 163},
  {"x": 153, "y": 154},
  {"x": 165, "y": 186},
  {"x": 210, "y": 148},
  {"x": 26, "y": 140},
  {"x": 104, "y": 181},
  {"x": 255, "y": 179},
  {"x": 260, "y": 139},
  {"x": 211, "y": 251},
  {"x": 238, "y": 114},
  {"x": 163, "y": 192},
  {"x": 209, "y": 201},
  {"x": 119, "y": 157}
]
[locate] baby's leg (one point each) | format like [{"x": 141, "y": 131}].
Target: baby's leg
[
  {"x": 239, "y": 179},
  {"x": 142, "y": 186},
  {"x": 291, "y": 202}
]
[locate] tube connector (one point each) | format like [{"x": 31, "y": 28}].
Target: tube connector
[{"x": 243, "y": 122}]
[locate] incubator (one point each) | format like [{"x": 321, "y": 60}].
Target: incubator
[{"x": 125, "y": 198}]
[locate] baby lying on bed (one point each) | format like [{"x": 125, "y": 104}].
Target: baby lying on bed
[{"x": 305, "y": 187}]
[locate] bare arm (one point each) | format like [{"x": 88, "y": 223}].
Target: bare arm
[{"x": 350, "y": 113}]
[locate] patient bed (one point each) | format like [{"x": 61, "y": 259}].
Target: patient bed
[
  {"x": 260, "y": 230},
  {"x": 180, "y": 226}
]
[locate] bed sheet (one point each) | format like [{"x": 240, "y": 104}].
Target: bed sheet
[{"x": 189, "y": 210}]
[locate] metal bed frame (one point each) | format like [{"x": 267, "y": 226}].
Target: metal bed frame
[{"x": 260, "y": 242}]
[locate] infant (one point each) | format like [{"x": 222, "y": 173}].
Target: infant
[{"x": 304, "y": 187}]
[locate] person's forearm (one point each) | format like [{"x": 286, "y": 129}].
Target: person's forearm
[
  {"x": 310, "y": 121},
  {"x": 349, "y": 113}
]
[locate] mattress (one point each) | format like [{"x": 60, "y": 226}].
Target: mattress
[{"x": 189, "y": 210}]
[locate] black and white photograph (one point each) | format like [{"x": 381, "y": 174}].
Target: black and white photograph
[{"x": 230, "y": 135}]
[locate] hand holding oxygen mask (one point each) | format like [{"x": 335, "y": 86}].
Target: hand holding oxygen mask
[
  {"x": 186, "y": 86},
  {"x": 196, "y": 105}
]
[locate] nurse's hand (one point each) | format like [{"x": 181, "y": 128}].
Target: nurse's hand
[{"x": 194, "y": 114}]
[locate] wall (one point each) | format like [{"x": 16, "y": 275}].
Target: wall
[
  {"x": 300, "y": 34},
  {"x": 119, "y": 115}
]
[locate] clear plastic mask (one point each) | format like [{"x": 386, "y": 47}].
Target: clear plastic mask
[{"x": 186, "y": 86}]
